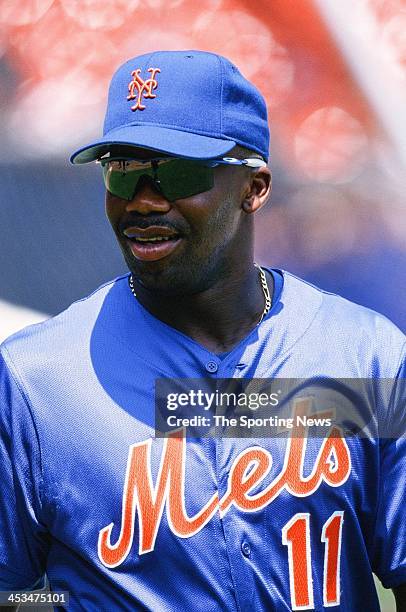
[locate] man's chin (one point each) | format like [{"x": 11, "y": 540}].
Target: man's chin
[
  {"x": 171, "y": 282},
  {"x": 175, "y": 276},
  {"x": 158, "y": 277}
]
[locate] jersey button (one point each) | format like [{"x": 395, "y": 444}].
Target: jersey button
[
  {"x": 246, "y": 549},
  {"x": 211, "y": 366}
]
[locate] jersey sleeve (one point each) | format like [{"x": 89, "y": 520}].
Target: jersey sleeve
[
  {"x": 23, "y": 539},
  {"x": 389, "y": 562}
]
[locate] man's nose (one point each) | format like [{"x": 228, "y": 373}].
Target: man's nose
[{"x": 148, "y": 199}]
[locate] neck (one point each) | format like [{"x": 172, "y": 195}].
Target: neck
[{"x": 217, "y": 318}]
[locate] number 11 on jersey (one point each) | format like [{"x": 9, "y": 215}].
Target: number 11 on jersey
[{"x": 296, "y": 536}]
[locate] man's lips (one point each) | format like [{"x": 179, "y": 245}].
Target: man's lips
[
  {"x": 152, "y": 243},
  {"x": 150, "y": 233}
]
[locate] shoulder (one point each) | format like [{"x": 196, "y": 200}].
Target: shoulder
[
  {"x": 344, "y": 324},
  {"x": 46, "y": 341}
]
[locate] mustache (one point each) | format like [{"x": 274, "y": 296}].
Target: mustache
[{"x": 143, "y": 222}]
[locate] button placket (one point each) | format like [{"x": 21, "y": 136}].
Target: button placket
[{"x": 211, "y": 366}]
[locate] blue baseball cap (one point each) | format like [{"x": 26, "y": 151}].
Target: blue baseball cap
[{"x": 184, "y": 103}]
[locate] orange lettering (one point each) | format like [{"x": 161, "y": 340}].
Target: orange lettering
[
  {"x": 251, "y": 466},
  {"x": 139, "y": 494}
]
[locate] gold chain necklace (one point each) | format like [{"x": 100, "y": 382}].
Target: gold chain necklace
[
  {"x": 264, "y": 287},
  {"x": 265, "y": 291}
]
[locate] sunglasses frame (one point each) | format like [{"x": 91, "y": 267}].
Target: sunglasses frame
[{"x": 250, "y": 162}]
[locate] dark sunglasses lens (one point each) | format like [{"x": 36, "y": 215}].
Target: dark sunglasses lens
[
  {"x": 183, "y": 178},
  {"x": 122, "y": 184},
  {"x": 177, "y": 179}
]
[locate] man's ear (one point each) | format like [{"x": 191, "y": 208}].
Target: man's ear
[{"x": 259, "y": 191}]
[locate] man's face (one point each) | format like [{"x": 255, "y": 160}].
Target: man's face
[{"x": 186, "y": 245}]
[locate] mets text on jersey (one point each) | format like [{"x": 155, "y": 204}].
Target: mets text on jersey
[{"x": 251, "y": 466}]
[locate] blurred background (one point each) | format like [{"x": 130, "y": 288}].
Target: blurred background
[
  {"x": 334, "y": 78},
  {"x": 333, "y": 74}
]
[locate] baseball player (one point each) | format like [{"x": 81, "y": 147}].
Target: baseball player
[{"x": 123, "y": 519}]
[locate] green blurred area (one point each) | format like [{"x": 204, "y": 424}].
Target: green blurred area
[{"x": 386, "y": 598}]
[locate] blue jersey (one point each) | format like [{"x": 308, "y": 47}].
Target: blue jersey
[{"x": 127, "y": 521}]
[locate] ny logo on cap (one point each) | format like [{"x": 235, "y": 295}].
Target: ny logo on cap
[{"x": 139, "y": 88}]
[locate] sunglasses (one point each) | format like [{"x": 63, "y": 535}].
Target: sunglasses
[{"x": 174, "y": 178}]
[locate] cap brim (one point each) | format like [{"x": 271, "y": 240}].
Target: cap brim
[{"x": 156, "y": 138}]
